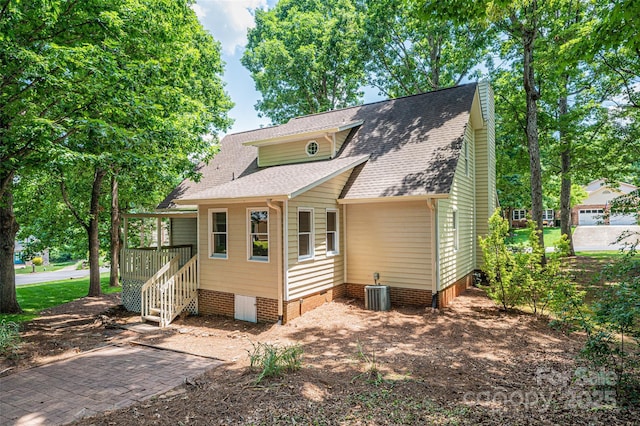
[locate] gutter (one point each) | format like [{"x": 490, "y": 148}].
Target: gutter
[{"x": 278, "y": 210}]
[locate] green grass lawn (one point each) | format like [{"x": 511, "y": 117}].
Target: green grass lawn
[
  {"x": 22, "y": 269},
  {"x": 35, "y": 297},
  {"x": 521, "y": 236}
]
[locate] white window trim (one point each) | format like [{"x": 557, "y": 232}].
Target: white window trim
[
  {"x": 312, "y": 245},
  {"x": 306, "y": 148},
  {"x": 337, "y": 232},
  {"x": 513, "y": 214},
  {"x": 250, "y": 257},
  {"x": 210, "y": 254},
  {"x": 544, "y": 214},
  {"x": 455, "y": 229}
]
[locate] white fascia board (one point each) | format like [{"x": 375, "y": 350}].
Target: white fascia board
[{"x": 303, "y": 135}]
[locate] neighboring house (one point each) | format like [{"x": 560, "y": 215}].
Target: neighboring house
[
  {"x": 596, "y": 208},
  {"x": 286, "y": 218},
  {"x": 518, "y": 217},
  {"x": 18, "y": 252}
]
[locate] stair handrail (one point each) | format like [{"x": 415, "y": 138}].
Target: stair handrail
[
  {"x": 150, "y": 291},
  {"x": 178, "y": 291}
]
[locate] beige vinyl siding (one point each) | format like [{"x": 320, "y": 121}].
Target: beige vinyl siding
[
  {"x": 393, "y": 239},
  {"x": 236, "y": 274},
  {"x": 340, "y": 138},
  {"x": 185, "y": 231},
  {"x": 292, "y": 152},
  {"x": 321, "y": 272},
  {"x": 455, "y": 264},
  {"x": 485, "y": 166}
]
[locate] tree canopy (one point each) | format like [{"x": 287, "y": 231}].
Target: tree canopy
[
  {"x": 304, "y": 58},
  {"x": 93, "y": 89}
]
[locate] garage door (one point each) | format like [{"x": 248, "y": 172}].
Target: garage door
[
  {"x": 591, "y": 217},
  {"x": 623, "y": 219}
]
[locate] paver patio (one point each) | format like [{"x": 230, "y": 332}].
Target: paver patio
[{"x": 104, "y": 379}]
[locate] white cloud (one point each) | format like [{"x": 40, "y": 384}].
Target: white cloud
[{"x": 228, "y": 20}]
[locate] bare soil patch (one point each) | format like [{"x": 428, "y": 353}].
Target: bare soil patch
[{"x": 467, "y": 364}]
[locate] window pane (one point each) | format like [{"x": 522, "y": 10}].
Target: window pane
[
  {"x": 331, "y": 242},
  {"x": 303, "y": 245},
  {"x": 220, "y": 244},
  {"x": 304, "y": 219},
  {"x": 259, "y": 221},
  {"x": 259, "y": 245},
  {"x": 331, "y": 221},
  {"x": 220, "y": 222}
]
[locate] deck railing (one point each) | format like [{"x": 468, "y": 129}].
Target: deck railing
[
  {"x": 151, "y": 292},
  {"x": 142, "y": 263},
  {"x": 170, "y": 291},
  {"x": 179, "y": 292}
]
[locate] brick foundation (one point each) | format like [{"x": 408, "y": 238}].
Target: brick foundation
[
  {"x": 295, "y": 308},
  {"x": 267, "y": 309},
  {"x": 448, "y": 294},
  {"x": 219, "y": 303},
  {"x": 216, "y": 303},
  {"x": 399, "y": 296}
]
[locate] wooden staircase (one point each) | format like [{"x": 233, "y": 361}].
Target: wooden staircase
[{"x": 170, "y": 291}]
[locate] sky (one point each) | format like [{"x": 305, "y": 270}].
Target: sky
[{"x": 228, "y": 22}]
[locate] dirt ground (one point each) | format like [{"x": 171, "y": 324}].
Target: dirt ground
[{"x": 467, "y": 364}]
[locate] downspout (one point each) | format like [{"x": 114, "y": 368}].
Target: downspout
[
  {"x": 278, "y": 210},
  {"x": 433, "y": 206}
]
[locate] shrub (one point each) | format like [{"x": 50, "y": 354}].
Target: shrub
[
  {"x": 37, "y": 261},
  {"x": 273, "y": 360},
  {"x": 613, "y": 337},
  {"x": 499, "y": 264},
  {"x": 9, "y": 338}
]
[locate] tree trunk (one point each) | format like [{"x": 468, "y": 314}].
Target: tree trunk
[
  {"x": 532, "y": 95},
  {"x": 92, "y": 230},
  {"x": 115, "y": 232},
  {"x": 565, "y": 172},
  {"x": 8, "y": 230}
]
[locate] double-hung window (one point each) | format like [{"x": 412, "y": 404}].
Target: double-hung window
[
  {"x": 258, "y": 234},
  {"x": 547, "y": 214},
  {"x": 305, "y": 234},
  {"x": 333, "y": 246},
  {"x": 218, "y": 233},
  {"x": 519, "y": 214}
]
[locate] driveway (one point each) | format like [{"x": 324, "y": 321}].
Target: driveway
[
  {"x": 43, "y": 277},
  {"x": 603, "y": 237},
  {"x": 104, "y": 379}
]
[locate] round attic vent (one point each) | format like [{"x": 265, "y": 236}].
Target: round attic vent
[{"x": 312, "y": 148}]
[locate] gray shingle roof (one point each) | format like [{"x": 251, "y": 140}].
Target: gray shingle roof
[{"x": 412, "y": 145}]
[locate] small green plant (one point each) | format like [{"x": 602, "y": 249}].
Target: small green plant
[
  {"x": 372, "y": 372},
  {"x": 37, "y": 261},
  {"x": 9, "y": 338},
  {"x": 273, "y": 360}
]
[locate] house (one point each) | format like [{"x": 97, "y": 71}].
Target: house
[
  {"x": 288, "y": 217},
  {"x": 518, "y": 217},
  {"x": 596, "y": 208}
]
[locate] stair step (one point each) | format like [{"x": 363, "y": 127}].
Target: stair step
[
  {"x": 154, "y": 311},
  {"x": 153, "y": 318}
]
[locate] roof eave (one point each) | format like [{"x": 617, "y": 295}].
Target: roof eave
[
  {"x": 394, "y": 198},
  {"x": 238, "y": 200},
  {"x": 303, "y": 135}
]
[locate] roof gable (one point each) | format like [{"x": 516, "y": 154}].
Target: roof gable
[{"x": 411, "y": 147}]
